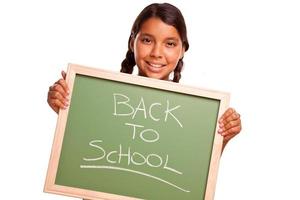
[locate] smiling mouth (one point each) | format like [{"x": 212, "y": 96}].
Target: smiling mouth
[{"x": 155, "y": 67}]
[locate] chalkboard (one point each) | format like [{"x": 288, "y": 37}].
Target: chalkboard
[{"x": 130, "y": 137}]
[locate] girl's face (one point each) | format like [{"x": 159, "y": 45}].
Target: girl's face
[{"x": 157, "y": 49}]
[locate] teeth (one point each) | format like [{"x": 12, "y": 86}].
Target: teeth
[{"x": 156, "y": 65}]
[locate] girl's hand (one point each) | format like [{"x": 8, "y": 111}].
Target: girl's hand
[
  {"x": 58, "y": 94},
  {"x": 229, "y": 125}
]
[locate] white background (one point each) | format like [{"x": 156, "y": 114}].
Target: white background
[{"x": 248, "y": 48}]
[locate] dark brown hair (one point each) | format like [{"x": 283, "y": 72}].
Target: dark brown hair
[{"x": 170, "y": 15}]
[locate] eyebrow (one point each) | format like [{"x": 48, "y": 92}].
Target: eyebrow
[{"x": 168, "y": 38}]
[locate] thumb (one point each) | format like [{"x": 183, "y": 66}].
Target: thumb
[{"x": 63, "y": 74}]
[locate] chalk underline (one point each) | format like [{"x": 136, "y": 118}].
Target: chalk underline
[{"x": 132, "y": 171}]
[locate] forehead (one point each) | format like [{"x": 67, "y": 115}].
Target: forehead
[{"x": 157, "y": 28}]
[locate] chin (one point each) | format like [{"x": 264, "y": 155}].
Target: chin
[
  {"x": 159, "y": 77},
  {"x": 154, "y": 75}
]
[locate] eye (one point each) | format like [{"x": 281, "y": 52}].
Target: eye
[
  {"x": 171, "y": 44},
  {"x": 146, "y": 40}
]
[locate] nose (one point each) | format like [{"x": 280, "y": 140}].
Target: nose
[{"x": 156, "y": 51}]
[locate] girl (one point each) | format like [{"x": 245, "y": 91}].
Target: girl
[{"x": 156, "y": 45}]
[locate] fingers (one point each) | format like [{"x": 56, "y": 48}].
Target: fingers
[
  {"x": 58, "y": 95},
  {"x": 61, "y": 86},
  {"x": 63, "y": 74},
  {"x": 228, "y": 113},
  {"x": 55, "y": 104},
  {"x": 231, "y": 131},
  {"x": 58, "y": 99},
  {"x": 230, "y": 124}
]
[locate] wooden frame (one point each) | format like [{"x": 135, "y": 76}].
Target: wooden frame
[{"x": 73, "y": 69}]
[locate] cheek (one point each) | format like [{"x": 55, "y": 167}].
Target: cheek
[
  {"x": 173, "y": 56},
  {"x": 141, "y": 51}
]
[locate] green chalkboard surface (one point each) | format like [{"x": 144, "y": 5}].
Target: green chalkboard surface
[{"x": 123, "y": 139}]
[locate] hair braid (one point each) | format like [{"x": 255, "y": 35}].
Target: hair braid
[
  {"x": 177, "y": 71},
  {"x": 128, "y": 63}
]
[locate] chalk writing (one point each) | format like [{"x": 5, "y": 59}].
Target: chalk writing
[
  {"x": 132, "y": 171},
  {"x": 121, "y": 100},
  {"x": 142, "y": 133},
  {"x": 128, "y": 155}
]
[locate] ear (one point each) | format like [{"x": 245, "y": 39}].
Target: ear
[
  {"x": 131, "y": 44},
  {"x": 182, "y": 52}
]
